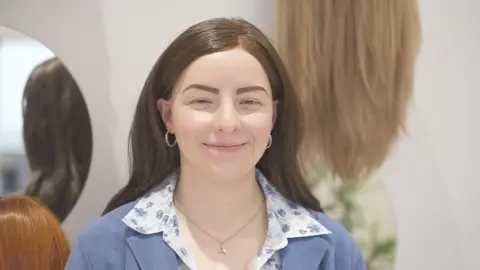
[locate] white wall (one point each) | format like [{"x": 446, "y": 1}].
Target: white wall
[{"x": 432, "y": 176}]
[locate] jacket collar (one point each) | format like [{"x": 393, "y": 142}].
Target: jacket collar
[
  {"x": 154, "y": 216},
  {"x": 150, "y": 252},
  {"x": 155, "y": 212}
]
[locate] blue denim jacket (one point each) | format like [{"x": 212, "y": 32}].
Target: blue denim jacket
[
  {"x": 156, "y": 213},
  {"x": 109, "y": 244}
]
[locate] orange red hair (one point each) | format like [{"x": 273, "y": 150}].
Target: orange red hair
[{"x": 31, "y": 237}]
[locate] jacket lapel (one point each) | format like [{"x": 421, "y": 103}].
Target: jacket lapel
[
  {"x": 150, "y": 252},
  {"x": 306, "y": 253}
]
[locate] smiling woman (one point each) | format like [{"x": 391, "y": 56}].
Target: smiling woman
[
  {"x": 230, "y": 92},
  {"x": 215, "y": 181}
]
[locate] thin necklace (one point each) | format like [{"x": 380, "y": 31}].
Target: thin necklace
[{"x": 222, "y": 249}]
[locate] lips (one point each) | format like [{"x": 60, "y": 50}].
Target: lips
[{"x": 225, "y": 147}]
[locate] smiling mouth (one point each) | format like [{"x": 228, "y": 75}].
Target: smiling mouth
[{"x": 225, "y": 148}]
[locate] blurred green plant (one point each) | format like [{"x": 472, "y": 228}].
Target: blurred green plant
[{"x": 378, "y": 251}]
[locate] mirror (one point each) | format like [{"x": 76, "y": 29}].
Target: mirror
[{"x": 45, "y": 129}]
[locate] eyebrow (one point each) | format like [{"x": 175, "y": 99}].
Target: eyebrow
[{"x": 241, "y": 90}]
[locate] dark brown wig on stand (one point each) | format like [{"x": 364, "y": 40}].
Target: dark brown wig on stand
[{"x": 57, "y": 135}]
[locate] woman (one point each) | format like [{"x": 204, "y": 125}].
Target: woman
[
  {"x": 30, "y": 236},
  {"x": 57, "y": 135},
  {"x": 215, "y": 182}
]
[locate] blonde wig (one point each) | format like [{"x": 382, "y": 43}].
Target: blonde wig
[{"x": 352, "y": 63}]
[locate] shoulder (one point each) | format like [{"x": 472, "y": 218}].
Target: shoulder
[
  {"x": 109, "y": 227},
  {"x": 339, "y": 235},
  {"x": 342, "y": 245},
  {"x": 104, "y": 239}
]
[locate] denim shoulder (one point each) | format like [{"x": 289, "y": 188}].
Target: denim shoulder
[
  {"x": 346, "y": 252},
  {"x": 102, "y": 244}
]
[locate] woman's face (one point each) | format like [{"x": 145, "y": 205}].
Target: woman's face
[{"x": 221, "y": 114}]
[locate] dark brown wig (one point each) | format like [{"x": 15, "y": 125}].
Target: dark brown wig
[{"x": 57, "y": 135}]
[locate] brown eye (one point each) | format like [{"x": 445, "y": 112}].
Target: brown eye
[
  {"x": 201, "y": 101},
  {"x": 249, "y": 102}
]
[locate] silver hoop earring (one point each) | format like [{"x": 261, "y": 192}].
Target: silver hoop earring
[
  {"x": 167, "y": 141},
  {"x": 269, "y": 141}
]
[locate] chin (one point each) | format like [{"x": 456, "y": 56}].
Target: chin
[{"x": 224, "y": 172}]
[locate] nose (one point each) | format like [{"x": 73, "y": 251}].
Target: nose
[{"x": 226, "y": 118}]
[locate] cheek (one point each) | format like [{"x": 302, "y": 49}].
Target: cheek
[
  {"x": 188, "y": 123},
  {"x": 260, "y": 126}
]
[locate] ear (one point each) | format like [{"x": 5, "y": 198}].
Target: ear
[{"x": 164, "y": 107}]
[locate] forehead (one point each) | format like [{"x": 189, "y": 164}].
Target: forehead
[{"x": 232, "y": 68}]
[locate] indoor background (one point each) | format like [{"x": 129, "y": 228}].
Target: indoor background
[{"x": 423, "y": 199}]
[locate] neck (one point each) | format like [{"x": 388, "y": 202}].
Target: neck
[{"x": 218, "y": 202}]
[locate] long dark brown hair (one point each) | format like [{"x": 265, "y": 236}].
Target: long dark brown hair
[
  {"x": 151, "y": 160},
  {"x": 57, "y": 135}
]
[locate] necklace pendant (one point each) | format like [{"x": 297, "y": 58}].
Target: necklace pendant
[{"x": 223, "y": 251}]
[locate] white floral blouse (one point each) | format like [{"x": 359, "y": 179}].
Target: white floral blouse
[{"x": 155, "y": 213}]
